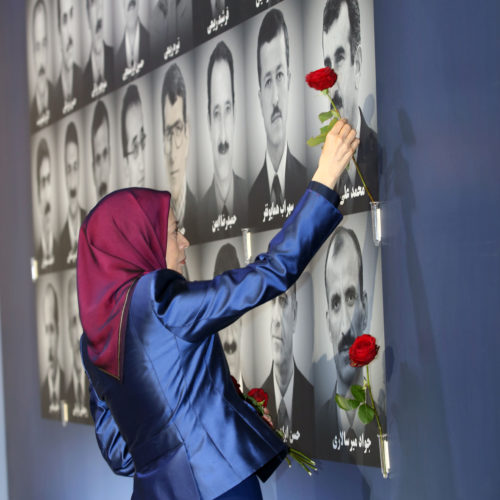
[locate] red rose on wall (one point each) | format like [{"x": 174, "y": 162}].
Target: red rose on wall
[
  {"x": 321, "y": 79},
  {"x": 363, "y": 350},
  {"x": 259, "y": 395}
]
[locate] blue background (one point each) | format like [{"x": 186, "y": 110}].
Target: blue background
[{"x": 438, "y": 90}]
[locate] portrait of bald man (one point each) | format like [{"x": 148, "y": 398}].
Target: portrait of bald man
[
  {"x": 46, "y": 250},
  {"x": 342, "y": 51},
  {"x": 101, "y": 150},
  {"x": 69, "y": 85},
  {"x": 76, "y": 214},
  {"x": 98, "y": 72},
  {"x": 133, "y": 137},
  {"x": 346, "y": 317},
  {"x": 282, "y": 179},
  {"x": 42, "y": 104},
  {"x": 223, "y": 208},
  {"x": 132, "y": 57},
  {"x": 53, "y": 384}
]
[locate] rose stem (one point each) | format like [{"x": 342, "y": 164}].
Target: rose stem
[{"x": 374, "y": 407}]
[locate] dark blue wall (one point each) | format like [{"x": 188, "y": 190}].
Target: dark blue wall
[{"x": 438, "y": 88}]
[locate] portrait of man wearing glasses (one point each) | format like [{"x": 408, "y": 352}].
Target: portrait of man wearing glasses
[
  {"x": 176, "y": 134},
  {"x": 133, "y": 138}
]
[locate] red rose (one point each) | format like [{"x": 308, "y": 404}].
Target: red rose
[
  {"x": 363, "y": 350},
  {"x": 259, "y": 395},
  {"x": 321, "y": 79},
  {"x": 236, "y": 385}
]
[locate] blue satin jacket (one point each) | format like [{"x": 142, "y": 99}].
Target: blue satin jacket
[{"x": 175, "y": 421}]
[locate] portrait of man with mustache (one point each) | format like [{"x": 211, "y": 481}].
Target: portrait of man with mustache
[
  {"x": 76, "y": 214},
  {"x": 132, "y": 57},
  {"x": 69, "y": 84},
  {"x": 101, "y": 150},
  {"x": 47, "y": 248},
  {"x": 98, "y": 72},
  {"x": 42, "y": 104},
  {"x": 342, "y": 52},
  {"x": 223, "y": 208},
  {"x": 282, "y": 179}
]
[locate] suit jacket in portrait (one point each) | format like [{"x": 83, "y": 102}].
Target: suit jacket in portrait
[
  {"x": 121, "y": 56},
  {"x": 368, "y": 164},
  {"x": 78, "y": 92},
  {"x": 45, "y": 396},
  {"x": 327, "y": 428},
  {"x": 65, "y": 242},
  {"x": 209, "y": 212},
  {"x": 39, "y": 258},
  {"x": 34, "y": 115},
  {"x": 175, "y": 420},
  {"x": 260, "y": 194},
  {"x": 88, "y": 79},
  {"x": 302, "y": 417}
]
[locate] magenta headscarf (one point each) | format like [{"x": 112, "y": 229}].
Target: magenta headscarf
[{"x": 122, "y": 238}]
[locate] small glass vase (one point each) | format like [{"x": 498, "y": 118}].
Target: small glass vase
[
  {"x": 383, "y": 447},
  {"x": 376, "y": 222}
]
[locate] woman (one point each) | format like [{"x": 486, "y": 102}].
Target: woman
[{"x": 164, "y": 405}]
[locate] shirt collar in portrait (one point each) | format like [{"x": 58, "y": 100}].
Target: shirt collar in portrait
[
  {"x": 54, "y": 390},
  {"x": 67, "y": 83},
  {"x": 281, "y": 170},
  {"x": 180, "y": 207},
  {"x": 42, "y": 98},
  {"x": 47, "y": 251},
  {"x": 97, "y": 63},
  {"x": 288, "y": 393},
  {"x": 73, "y": 227},
  {"x": 132, "y": 47},
  {"x": 229, "y": 201}
]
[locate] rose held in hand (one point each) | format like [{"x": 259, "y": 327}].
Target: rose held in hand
[
  {"x": 321, "y": 79},
  {"x": 363, "y": 350}
]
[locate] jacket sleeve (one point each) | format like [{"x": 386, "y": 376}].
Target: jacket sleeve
[
  {"x": 194, "y": 310},
  {"x": 113, "y": 447}
]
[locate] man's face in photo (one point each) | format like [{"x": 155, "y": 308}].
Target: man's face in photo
[
  {"x": 101, "y": 159},
  {"x": 136, "y": 144},
  {"x": 72, "y": 167},
  {"x": 230, "y": 338},
  {"x": 45, "y": 196},
  {"x": 94, "y": 12},
  {"x": 67, "y": 32},
  {"x": 221, "y": 120},
  {"x": 346, "y": 311},
  {"x": 50, "y": 325},
  {"x": 175, "y": 144},
  {"x": 131, "y": 14},
  {"x": 274, "y": 86},
  {"x": 284, "y": 315},
  {"x": 74, "y": 325},
  {"x": 337, "y": 55},
  {"x": 40, "y": 46}
]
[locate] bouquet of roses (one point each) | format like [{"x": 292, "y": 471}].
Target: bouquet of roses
[{"x": 258, "y": 398}]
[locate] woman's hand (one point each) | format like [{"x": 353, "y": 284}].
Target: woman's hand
[{"x": 340, "y": 144}]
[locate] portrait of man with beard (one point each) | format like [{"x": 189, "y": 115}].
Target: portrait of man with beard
[
  {"x": 76, "y": 214},
  {"x": 98, "y": 72},
  {"x": 101, "y": 151},
  {"x": 53, "y": 385},
  {"x": 47, "y": 248},
  {"x": 346, "y": 317},
  {"x": 42, "y": 104},
  {"x": 133, "y": 53},
  {"x": 69, "y": 84}
]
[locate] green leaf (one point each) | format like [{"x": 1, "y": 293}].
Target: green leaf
[
  {"x": 314, "y": 141},
  {"x": 358, "y": 393},
  {"x": 326, "y": 115},
  {"x": 345, "y": 403},
  {"x": 365, "y": 413},
  {"x": 327, "y": 128}
]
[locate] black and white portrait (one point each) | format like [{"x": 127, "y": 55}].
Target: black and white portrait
[
  {"x": 171, "y": 28},
  {"x": 69, "y": 89},
  {"x": 44, "y": 202},
  {"x": 278, "y": 177},
  {"x": 133, "y": 52},
  {"x": 99, "y": 70},
  {"x": 213, "y": 17},
  {"x": 52, "y": 380},
  {"x": 72, "y": 161},
  {"x": 347, "y": 45},
  {"x": 223, "y": 205},
  {"x": 135, "y": 133},
  {"x": 350, "y": 295},
  {"x": 40, "y": 42}
]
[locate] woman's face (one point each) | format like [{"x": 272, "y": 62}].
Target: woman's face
[{"x": 176, "y": 245}]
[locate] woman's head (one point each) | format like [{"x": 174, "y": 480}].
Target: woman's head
[{"x": 176, "y": 245}]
